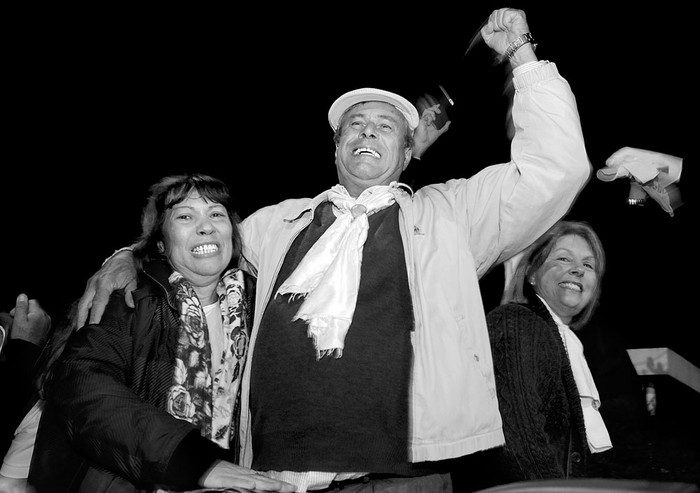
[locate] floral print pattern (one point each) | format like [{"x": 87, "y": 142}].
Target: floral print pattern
[{"x": 205, "y": 400}]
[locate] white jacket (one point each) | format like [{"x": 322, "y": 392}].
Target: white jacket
[{"x": 453, "y": 233}]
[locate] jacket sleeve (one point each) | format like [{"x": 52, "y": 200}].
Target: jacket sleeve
[
  {"x": 510, "y": 205},
  {"x": 525, "y": 366},
  {"x": 108, "y": 424}
]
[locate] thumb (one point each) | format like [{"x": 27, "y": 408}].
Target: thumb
[
  {"x": 21, "y": 309},
  {"x": 129, "y": 298}
]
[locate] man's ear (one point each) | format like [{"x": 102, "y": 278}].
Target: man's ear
[{"x": 408, "y": 152}]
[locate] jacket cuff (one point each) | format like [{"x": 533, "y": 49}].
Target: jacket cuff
[
  {"x": 191, "y": 459},
  {"x": 545, "y": 71}
]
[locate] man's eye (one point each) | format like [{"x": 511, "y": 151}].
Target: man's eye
[
  {"x": 183, "y": 217},
  {"x": 386, "y": 127}
]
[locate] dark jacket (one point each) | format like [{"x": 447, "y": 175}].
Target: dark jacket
[
  {"x": 538, "y": 401},
  {"x": 105, "y": 426}
]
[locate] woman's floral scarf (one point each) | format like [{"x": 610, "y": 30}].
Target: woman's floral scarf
[{"x": 205, "y": 400}]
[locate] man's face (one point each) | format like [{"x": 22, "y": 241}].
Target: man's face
[{"x": 371, "y": 150}]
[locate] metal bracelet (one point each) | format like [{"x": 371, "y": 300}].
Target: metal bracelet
[{"x": 519, "y": 42}]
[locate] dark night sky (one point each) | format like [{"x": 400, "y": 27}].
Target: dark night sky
[{"x": 103, "y": 103}]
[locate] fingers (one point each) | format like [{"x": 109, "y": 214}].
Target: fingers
[
  {"x": 428, "y": 117},
  {"x": 487, "y": 29},
  {"x": 129, "y": 298},
  {"x": 21, "y": 311},
  {"x": 263, "y": 483},
  {"x": 34, "y": 307},
  {"x": 504, "y": 20},
  {"x": 226, "y": 475},
  {"x": 97, "y": 307},
  {"x": 496, "y": 22},
  {"x": 38, "y": 324},
  {"x": 422, "y": 105},
  {"x": 431, "y": 100},
  {"x": 119, "y": 271},
  {"x": 39, "y": 319},
  {"x": 13, "y": 485},
  {"x": 426, "y": 102},
  {"x": 85, "y": 303},
  {"x": 29, "y": 321},
  {"x": 428, "y": 114},
  {"x": 36, "y": 314}
]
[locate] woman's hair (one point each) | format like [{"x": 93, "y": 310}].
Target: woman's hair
[
  {"x": 534, "y": 257},
  {"x": 167, "y": 193}
]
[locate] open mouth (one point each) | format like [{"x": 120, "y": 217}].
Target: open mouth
[
  {"x": 204, "y": 249},
  {"x": 366, "y": 151},
  {"x": 572, "y": 286}
]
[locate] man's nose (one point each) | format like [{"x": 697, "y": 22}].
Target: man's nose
[{"x": 369, "y": 131}]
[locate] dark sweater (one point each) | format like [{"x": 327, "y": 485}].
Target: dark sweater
[
  {"x": 347, "y": 414},
  {"x": 538, "y": 401}
]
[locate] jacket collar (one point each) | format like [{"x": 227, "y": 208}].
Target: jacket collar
[
  {"x": 153, "y": 281},
  {"x": 401, "y": 194}
]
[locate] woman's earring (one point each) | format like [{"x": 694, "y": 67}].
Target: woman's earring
[{"x": 161, "y": 248}]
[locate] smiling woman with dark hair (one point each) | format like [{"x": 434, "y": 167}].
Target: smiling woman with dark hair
[{"x": 148, "y": 398}]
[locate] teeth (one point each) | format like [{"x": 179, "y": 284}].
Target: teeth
[
  {"x": 202, "y": 249},
  {"x": 366, "y": 150},
  {"x": 571, "y": 285}
]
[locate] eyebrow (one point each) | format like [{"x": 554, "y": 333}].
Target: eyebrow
[
  {"x": 213, "y": 205},
  {"x": 570, "y": 252},
  {"x": 362, "y": 114}
]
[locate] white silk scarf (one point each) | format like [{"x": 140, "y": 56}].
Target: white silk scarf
[
  {"x": 596, "y": 432},
  {"x": 329, "y": 275}
]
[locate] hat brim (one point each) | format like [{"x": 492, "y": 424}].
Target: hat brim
[{"x": 367, "y": 94}]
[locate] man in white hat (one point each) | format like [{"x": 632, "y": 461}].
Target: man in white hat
[{"x": 369, "y": 357}]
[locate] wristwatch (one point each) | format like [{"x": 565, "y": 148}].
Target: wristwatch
[{"x": 519, "y": 42}]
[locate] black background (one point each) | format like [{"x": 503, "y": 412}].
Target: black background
[{"x": 101, "y": 103}]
